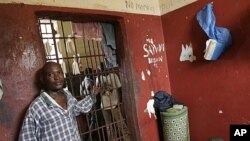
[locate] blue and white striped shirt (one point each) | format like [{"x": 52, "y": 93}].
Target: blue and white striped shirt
[{"x": 46, "y": 121}]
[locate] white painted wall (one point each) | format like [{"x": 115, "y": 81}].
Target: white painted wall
[
  {"x": 148, "y": 7},
  {"x": 167, "y": 6}
]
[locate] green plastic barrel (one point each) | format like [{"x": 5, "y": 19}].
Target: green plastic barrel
[{"x": 175, "y": 124}]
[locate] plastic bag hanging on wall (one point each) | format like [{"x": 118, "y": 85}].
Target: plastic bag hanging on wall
[
  {"x": 221, "y": 37},
  {"x": 187, "y": 53}
]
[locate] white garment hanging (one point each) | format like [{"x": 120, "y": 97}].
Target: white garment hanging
[
  {"x": 58, "y": 47},
  {"x": 47, "y": 48},
  {"x": 70, "y": 46},
  {"x": 64, "y": 67},
  {"x": 75, "y": 67}
]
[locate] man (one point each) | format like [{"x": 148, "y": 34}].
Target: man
[
  {"x": 110, "y": 83},
  {"x": 87, "y": 83},
  {"x": 52, "y": 115}
]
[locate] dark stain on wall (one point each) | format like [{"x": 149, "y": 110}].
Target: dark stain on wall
[
  {"x": 6, "y": 114},
  {"x": 22, "y": 55}
]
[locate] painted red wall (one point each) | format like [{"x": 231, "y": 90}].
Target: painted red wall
[
  {"x": 208, "y": 87},
  {"x": 22, "y": 55}
]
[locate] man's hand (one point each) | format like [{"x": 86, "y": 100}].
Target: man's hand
[{"x": 96, "y": 90}]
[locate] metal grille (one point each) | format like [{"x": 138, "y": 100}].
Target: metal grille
[{"x": 82, "y": 58}]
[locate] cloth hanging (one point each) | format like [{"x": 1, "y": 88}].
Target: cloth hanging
[
  {"x": 47, "y": 48},
  {"x": 58, "y": 47},
  {"x": 88, "y": 31},
  {"x": 109, "y": 34},
  {"x": 110, "y": 57},
  {"x": 70, "y": 46},
  {"x": 109, "y": 44},
  {"x": 222, "y": 36},
  {"x": 75, "y": 67},
  {"x": 63, "y": 67}
]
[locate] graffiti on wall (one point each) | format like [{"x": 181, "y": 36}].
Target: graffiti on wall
[
  {"x": 139, "y": 6},
  {"x": 153, "y": 52},
  {"x": 150, "y": 7},
  {"x": 154, "y": 55},
  {"x": 170, "y": 5},
  {"x": 150, "y": 108},
  {"x": 143, "y": 77}
]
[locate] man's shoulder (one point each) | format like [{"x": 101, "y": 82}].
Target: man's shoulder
[
  {"x": 35, "y": 106},
  {"x": 36, "y": 101}
]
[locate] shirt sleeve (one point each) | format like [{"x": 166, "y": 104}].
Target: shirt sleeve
[
  {"x": 28, "y": 130},
  {"x": 85, "y": 105}
]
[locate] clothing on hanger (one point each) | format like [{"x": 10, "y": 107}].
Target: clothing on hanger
[
  {"x": 109, "y": 44},
  {"x": 75, "y": 67},
  {"x": 70, "y": 45},
  {"x": 63, "y": 65},
  {"x": 58, "y": 47},
  {"x": 47, "y": 48}
]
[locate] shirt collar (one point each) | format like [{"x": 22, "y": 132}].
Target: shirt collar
[{"x": 49, "y": 100}]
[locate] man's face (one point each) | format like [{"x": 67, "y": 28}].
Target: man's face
[{"x": 53, "y": 77}]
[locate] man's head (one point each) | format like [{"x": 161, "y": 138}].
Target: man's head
[
  {"x": 102, "y": 66},
  {"x": 88, "y": 71},
  {"x": 52, "y": 77}
]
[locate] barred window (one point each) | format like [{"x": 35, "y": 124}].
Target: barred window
[{"x": 88, "y": 56}]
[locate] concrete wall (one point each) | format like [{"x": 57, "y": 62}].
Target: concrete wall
[
  {"x": 216, "y": 92},
  {"x": 22, "y": 55},
  {"x": 148, "y": 7}
]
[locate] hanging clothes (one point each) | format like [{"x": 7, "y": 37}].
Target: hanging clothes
[
  {"x": 63, "y": 65},
  {"x": 75, "y": 67},
  {"x": 88, "y": 31},
  {"x": 109, "y": 44},
  {"x": 59, "y": 47},
  {"x": 109, "y": 34},
  {"x": 221, "y": 36},
  {"x": 70, "y": 45},
  {"x": 47, "y": 48}
]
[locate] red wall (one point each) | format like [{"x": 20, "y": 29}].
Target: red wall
[
  {"x": 207, "y": 87},
  {"x": 22, "y": 55}
]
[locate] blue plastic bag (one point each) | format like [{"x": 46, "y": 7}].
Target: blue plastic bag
[{"x": 206, "y": 19}]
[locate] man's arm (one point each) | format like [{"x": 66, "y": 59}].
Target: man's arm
[{"x": 86, "y": 104}]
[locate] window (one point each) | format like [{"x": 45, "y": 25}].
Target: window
[{"x": 88, "y": 56}]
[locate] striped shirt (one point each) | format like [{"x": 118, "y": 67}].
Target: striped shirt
[{"x": 47, "y": 121}]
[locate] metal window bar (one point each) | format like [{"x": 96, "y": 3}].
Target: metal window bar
[{"x": 90, "y": 55}]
